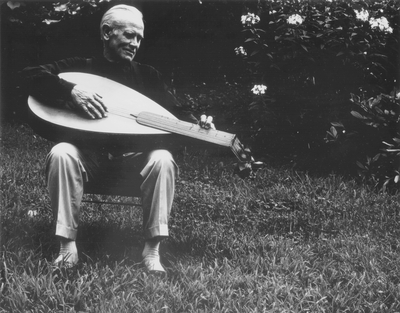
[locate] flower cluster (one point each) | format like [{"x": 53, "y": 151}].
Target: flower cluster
[
  {"x": 295, "y": 19},
  {"x": 362, "y": 15},
  {"x": 382, "y": 23},
  {"x": 240, "y": 51},
  {"x": 250, "y": 19},
  {"x": 259, "y": 89}
]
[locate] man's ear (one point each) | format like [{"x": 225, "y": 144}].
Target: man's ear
[{"x": 106, "y": 31}]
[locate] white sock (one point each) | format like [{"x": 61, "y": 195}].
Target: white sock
[
  {"x": 151, "y": 248},
  {"x": 151, "y": 256},
  {"x": 68, "y": 252}
]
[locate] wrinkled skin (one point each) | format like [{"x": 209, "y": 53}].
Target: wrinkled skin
[{"x": 121, "y": 44}]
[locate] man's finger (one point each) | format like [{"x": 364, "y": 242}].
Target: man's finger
[
  {"x": 203, "y": 119},
  {"x": 97, "y": 108},
  {"x": 100, "y": 100},
  {"x": 208, "y": 122},
  {"x": 209, "y": 125},
  {"x": 93, "y": 111},
  {"x": 86, "y": 110}
]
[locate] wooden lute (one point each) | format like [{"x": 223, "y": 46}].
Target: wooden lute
[{"x": 134, "y": 121}]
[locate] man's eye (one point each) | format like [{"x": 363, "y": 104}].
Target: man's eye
[{"x": 131, "y": 36}]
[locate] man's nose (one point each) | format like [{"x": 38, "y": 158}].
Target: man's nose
[{"x": 134, "y": 42}]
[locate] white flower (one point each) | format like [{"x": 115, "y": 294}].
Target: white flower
[
  {"x": 32, "y": 213},
  {"x": 382, "y": 23},
  {"x": 60, "y": 7},
  {"x": 362, "y": 15},
  {"x": 295, "y": 19},
  {"x": 48, "y": 22},
  {"x": 240, "y": 51},
  {"x": 259, "y": 89},
  {"x": 250, "y": 19}
]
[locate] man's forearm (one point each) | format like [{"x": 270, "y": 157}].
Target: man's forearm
[{"x": 44, "y": 83}]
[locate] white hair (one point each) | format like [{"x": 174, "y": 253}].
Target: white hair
[{"x": 111, "y": 17}]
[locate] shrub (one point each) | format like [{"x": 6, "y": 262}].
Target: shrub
[
  {"x": 312, "y": 55},
  {"x": 382, "y": 113}
]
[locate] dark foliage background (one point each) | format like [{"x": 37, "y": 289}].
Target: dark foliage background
[
  {"x": 310, "y": 69},
  {"x": 189, "y": 42}
]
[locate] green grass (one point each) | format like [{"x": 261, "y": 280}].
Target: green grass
[{"x": 282, "y": 242}]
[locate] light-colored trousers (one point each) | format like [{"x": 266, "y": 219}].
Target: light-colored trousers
[{"x": 68, "y": 168}]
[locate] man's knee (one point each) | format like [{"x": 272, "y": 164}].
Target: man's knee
[
  {"x": 63, "y": 150},
  {"x": 62, "y": 156},
  {"x": 161, "y": 156},
  {"x": 162, "y": 160}
]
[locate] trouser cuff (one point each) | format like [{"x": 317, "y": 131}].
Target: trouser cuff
[
  {"x": 66, "y": 232},
  {"x": 158, "y": 231}
]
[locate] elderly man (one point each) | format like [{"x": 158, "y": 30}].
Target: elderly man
[{"x": 69, "y": 166}]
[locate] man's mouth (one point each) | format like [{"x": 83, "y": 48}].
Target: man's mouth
[{"x": 132, "y": 52}]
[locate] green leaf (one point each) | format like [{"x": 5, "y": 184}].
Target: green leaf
[
  {"x": 358, "y": 115},
  {"x": 304, "y": 47},
  {"x": 388, "y": 144},
  {"x": 250, "y": 39},
  {"x": 360, "y": 165},
  {"x": 334, "y": 131},
  {"x": 48, "y": 22},
  {"x": 378, "y": 55},
  {"x": 374, "y": 101},
  {"x": 13, "y": 4}
]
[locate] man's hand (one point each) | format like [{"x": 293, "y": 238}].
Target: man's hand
[
  {"x": 88, "y": 102},
  {"x": 206, "y": 122}
]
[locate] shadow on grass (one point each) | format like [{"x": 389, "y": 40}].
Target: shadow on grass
[{"x": 97, "y": 241}]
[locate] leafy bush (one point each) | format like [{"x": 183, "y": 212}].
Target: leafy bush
[
  {"x": 300, "y": 60},
  {"x": 312, "y": 55},
  {"x": 383, "y": 114}
]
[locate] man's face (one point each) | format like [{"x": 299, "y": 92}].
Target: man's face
[{"x": 125, "y": 40}]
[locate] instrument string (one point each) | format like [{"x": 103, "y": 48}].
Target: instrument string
[{"x": 122, "y": 112}]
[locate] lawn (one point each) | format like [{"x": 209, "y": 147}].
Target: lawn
[{"x": 283, "y": 241}]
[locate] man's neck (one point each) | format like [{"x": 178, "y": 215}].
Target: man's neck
[{"x": 109, "y": 58}]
